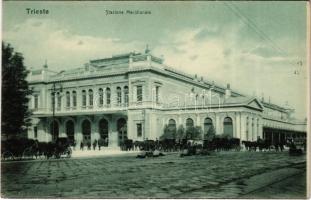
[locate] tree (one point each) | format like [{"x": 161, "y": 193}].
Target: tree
[
  {"x": 15, "y": 92},
  {"x": 180, "y": 132},
  {"x": 193, "y": 133},
  {"x": 210, "y": 133},
  {"x": 167, "y": 134}
]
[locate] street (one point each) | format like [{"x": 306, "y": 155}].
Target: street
[{"x": 221, "y": 175}]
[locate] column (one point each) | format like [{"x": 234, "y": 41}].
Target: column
[
  {"x": 238, "y": 125},
  {"x": 113, "y": 133},
  {"x": 218, "y": 128},
  {"x": 78, "y": 132}
]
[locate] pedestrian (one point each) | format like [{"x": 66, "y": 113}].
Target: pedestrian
[
  {"x": 88, "y": 145},
  {"x": 81, "y": 145},
  {"x": 94, "y": 144},
  {"x": 74, "y": 144}
]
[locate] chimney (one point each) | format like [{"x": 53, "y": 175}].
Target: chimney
[
  {"x": 228, "y": 91},
  {"x": 45, "y": 66},
  {"x": 262, "y": 97}
]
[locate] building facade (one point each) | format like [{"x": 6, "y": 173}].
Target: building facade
[{"x": 136, "y": 95}]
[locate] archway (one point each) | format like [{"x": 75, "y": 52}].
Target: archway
[
  {"x": 122, "y": 130},
  {"x": 172, "y": 127},
  {"x": 228, "y": 127},
  {"x": 70, "y": 131},
  {"x": 209, "y": 130},
  {"x": 86, "y": 131},
  {"x": 103, "y": 127},
  {"x": 54, "y": 130}
]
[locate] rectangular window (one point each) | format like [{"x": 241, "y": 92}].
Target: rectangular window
[
  {"x": 157, "y": 93},
  {"x": 139, "y": 93},
  {"x": 35, "y": 132},
  {"x": 67, "y": 99},
  {"x": 139, "y": 130},
  {"x": 36, "y": 101},
  {"x": 52, "y": 100},
  {"x": 59, "y": 101}
]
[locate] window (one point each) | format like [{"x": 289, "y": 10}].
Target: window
[
  {"x": 126, "y": 95},
  {"x": 118, "y": 95},
  {"x": 74, "y": 99},
  {"x": 228, "y": 127},
  {"x": 108, "y": 95},
  {"x": 35, "y": 132},
  {"x": 83, "y": 98},
  {"x": 172, "y": 126},
  {"x": 189, "y": 123},
  {"x": 208, "y": 123},
  {"x": 139, "y": 130},
  {"x": 101, "y": 97},
  {"x": 59, "y": 100},
  {"x": 67, "y": 99},
  {"x": 36, "y": 101},
  {"x": 90, "y": 97},
  {"x": 139, "y": 93},
  {"x": 52, "y": 100},
  {"x": 157, "y": 93}
]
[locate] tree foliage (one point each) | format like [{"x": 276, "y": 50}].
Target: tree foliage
[
  {"x": 211, "y": 133},
  {"x": 15, "y": 92}
]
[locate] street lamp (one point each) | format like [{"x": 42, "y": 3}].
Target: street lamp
[{"x": 56, "y": 87}]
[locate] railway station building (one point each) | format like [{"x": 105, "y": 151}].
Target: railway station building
[{"x": 135, "y": 95}]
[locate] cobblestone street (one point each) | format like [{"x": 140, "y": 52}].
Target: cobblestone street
[{"x": 222, "y": 175}]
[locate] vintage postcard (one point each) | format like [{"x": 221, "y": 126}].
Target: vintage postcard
[{"x": 147, "y": 99}]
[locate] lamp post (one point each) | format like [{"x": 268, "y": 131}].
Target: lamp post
[{"x": 56, "y": 87}]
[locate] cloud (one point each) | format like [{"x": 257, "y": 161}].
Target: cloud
[
  {"x": 40, "y": 39},
  {"x": 248, "y": 64}
]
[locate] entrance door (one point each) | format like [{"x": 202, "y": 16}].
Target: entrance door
[
  {"x": 122, "y": 130},
  {"x": 54, "y": 129},
  {"x": 104, "y": 131},
  {"x": 86, "y": 131}
]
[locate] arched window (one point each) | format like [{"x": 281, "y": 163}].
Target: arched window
[
  {"x": 67, "y": 99},
  {"x": 189, "y": 123},
  {"x": 86, "y": 130},
  {"x": 54, "y": 130},
  {"x": 74, "y": 98},
  {"x": 90, "y": 97},
  {"x": 228, "y": 127},
  {"x": 101, "y": 97},
  {"x": 172, "y": 126},
  {"x": 108, "y": 95},
  {"x": 83, "y": 98},
  {"x": 126, "y": 94},
  {"x": 119, "y": 95},
  {"x": 70, "y": 130},
  {"x": 59, "y": 101},
  {"x": 208, "y": 124}
]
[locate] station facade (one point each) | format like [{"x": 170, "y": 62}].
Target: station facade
[{"x": 135, "y": 95}]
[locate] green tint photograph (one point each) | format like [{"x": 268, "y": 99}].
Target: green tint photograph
[{"x": 155, "y": 99}]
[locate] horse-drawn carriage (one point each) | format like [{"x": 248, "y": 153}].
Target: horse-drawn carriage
[{"x": 16, "y": 149}]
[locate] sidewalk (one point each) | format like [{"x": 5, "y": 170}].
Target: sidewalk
[{"x": 103, "y": 152}]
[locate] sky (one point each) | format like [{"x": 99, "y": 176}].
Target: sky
[{"x": 257, "y": 47}]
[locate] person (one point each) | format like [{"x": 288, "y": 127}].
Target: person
[
  {"x": 94, "y": 144},
  {"x": 74, "y": 144},
  {"x": 89, "y": 145},
  {"x": 81, "y": 145}
]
